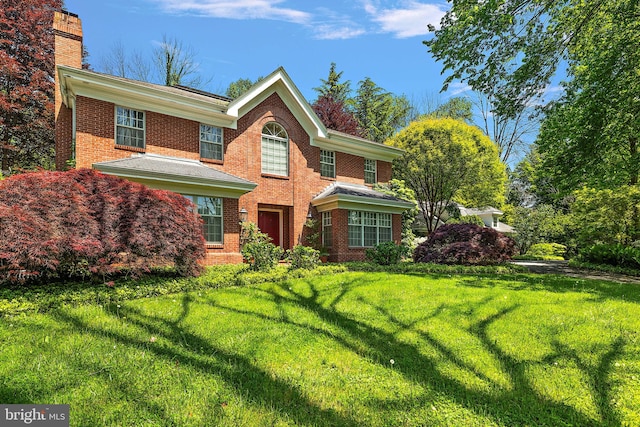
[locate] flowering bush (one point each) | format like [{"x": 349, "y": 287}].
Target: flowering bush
[
  {"x": 465, "y": 244},
  {"x": 82, "y": 223}
]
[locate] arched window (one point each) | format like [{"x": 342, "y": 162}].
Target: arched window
[{"x": 275, "y": 150}]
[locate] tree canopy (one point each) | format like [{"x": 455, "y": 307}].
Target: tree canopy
[
  {"x": 378, "y": 113},
  {"x": 333, "y": 87},
  {"x": 448, "y": 160},
  {"x": 510, "y": 49},
  {"x": 335, "y": 115},
  {"x": 26, "y": 84},
  {"x": 240, "y": 86},
  {"x": 590, "y": 136}
]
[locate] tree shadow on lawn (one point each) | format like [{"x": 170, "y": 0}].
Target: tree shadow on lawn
[
  {"x": 600, "y": 289},
  {"x": 235, "y": 370},
  {"x": 521, "y": 405}
]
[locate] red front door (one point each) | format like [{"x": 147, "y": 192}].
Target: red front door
[{"x": 269, "y": 223}]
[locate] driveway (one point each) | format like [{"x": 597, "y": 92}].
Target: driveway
[{"x": 562, "y": 267}]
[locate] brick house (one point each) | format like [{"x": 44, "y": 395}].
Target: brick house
[{"x": 264, "y": 155}]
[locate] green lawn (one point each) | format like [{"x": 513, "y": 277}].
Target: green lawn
[{"x": 349, "y": 349}]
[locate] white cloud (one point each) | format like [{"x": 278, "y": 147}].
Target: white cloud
[
  {"x": 335, "y": 32},
  {"x": 407, "y": 21},
  {"x": 238, "y": 9},
  {"x": 457, "y": 88}
]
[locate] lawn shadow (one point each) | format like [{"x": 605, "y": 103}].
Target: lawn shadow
[
  {"x": 189, "y": 349},
  {"x": 521, "y": 405},
  {"x": 598, "y": 289}
]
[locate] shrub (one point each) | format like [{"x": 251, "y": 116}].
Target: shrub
[
  {"x": 547, "y": 251},
  {"x": 82, "y": 223},
  {"x": 467, "y": 219},
  {"x": 465, "y": 244},
  {"x": 616, "y": 255},
  {"x": 261, "y": 256},
  {"x": 386, "y": 253},
  {"x": 303, "y": 257},
  {"x": 257, "y": 249}
]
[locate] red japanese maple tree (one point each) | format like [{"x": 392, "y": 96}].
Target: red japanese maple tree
[
  {"x": 26, "y": 83},
  {"x": 84, "y": 223},
  {"x": 334, "y": 115}
]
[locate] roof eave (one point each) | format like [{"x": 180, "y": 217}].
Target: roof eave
[
  {"x": 179, "y": 183},
  {"x": 76, "y": 82},
  {"x": 361, "y": 203},
  {"x": 357, "y": 146}
]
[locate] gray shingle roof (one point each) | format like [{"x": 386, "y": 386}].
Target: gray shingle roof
[
  {"x": 343, "y": 188},
  {"x": 174, "y": 166}
]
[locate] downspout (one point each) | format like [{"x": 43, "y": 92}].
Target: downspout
[{"x": 72, "y": 100}]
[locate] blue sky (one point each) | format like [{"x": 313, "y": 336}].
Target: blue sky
[{"x": 380, "y": 39}]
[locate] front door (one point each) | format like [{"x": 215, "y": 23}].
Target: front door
[{"x": 269, "y": 223}]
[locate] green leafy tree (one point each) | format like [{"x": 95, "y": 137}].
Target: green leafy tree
[
  {"x": 542, "y": 224},
  {"x": 458, "y": 108},
  {"x": 240, "y": 86},
  {"x": 607, "y": 216},
  {"x": 447, "y": 160},
  {"x": 379, "y": 113},
  {"x": 399, "y": 189},
  {"x": 590, "y": 136},
  {"x": 511, "y": 49}
]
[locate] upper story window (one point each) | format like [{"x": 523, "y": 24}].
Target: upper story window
[
  {"x": 210, "y": 142},
  {"x": 275, "y": 150},
  {"x": 328, "y": 163},
  {"x": 370, "y": 171},
  {"x": 129, "y": 127}
]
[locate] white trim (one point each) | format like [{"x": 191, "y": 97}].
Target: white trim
[
  {"x": 138, "y": 95},
  {"x": 343, "y": 201},
  {"x": 203, "y": 109}
]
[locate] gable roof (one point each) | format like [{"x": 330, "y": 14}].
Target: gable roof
[
  {"x": 213, "y": 109},
  {"x": 176, "y": 174}
]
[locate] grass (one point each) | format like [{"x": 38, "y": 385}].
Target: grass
[{"x": 348, "y": 349}]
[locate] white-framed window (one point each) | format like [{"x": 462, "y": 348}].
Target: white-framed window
[
  {"x": 495, "y": 222},
  {"x": 275, "y": 150},
  {"x": 327, "y": 230},
  {"x": 210, "y": 209},
  {"x": 367, "y": 229},
  {"x": 370, "y": 171},
  {"x": 130, "y": 127},
  {"x": 210, "y": 142},
  {"x": 328, "y": 163}
]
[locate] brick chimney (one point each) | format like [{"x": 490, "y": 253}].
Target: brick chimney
[{"x": 67, "y": 29}]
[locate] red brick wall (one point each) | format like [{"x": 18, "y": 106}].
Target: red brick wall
[
  {"x": 177, "y": 137},
  {"x": 341, "y": 252},
  {"x": 68, "y": 51}
]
